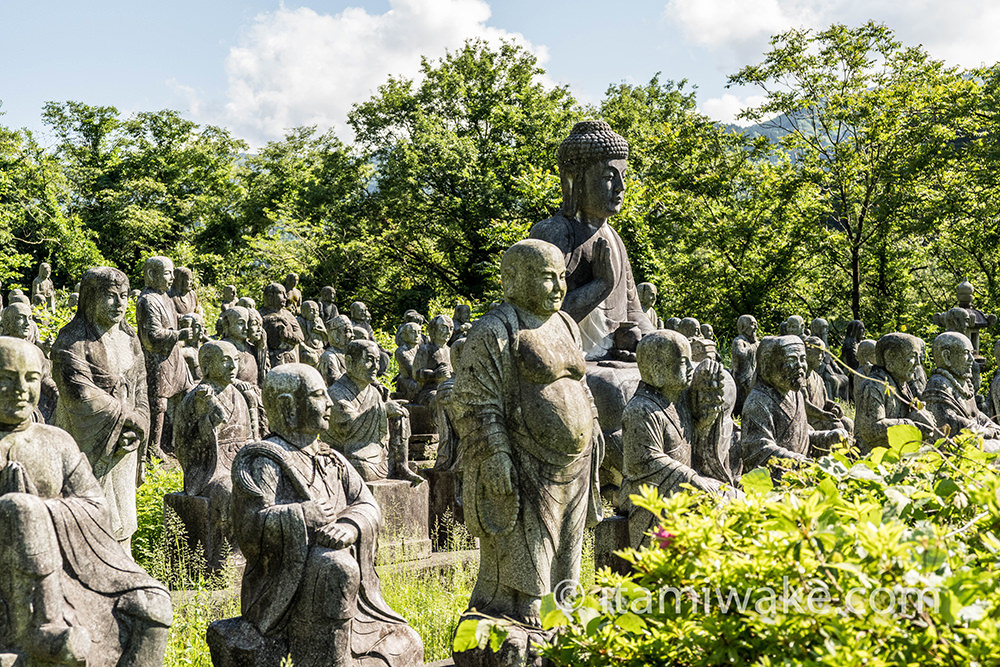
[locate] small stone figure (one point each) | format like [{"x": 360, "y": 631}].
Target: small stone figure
[
  {"x": 866, "y": 361},
  {"x": 74, "y": 299},
  {"x": 885, "y": 400},
  {"x": 70, "y": 594},
  {"x": 531, "y": 444},
  {"x": 432, "y": 363},
  {"x": 229, "y": 298},
  {"x": 293, "y": 296},
  {"x": 327, "y": 304},
  {"x": 214, "y": 421},
  {"x": 189, "y": 348},
  {"x": 361, "y": 318},
  {"x": 978, "y": 320},
  {"x": 836, "y": 380},
  {"x": 42, "y": 286},
  {"x": 601, "y": 287},
  {"x": 313, "y": 332},
  {"x": 183, "y": 295},
  {"x": 822, "y": 413},
  {"x": 282, "y": 329},
  {"x": 366, "y": 426},
  {"x": 669, "y": 436},
  {"x": 167, "y": 373},
  {"x": 331, "y": 364},
  {"x": 18, "y": 321},
  {"x": 744, "y": 355},
  {"x": 308, "y": 527},
  {"x": 462, "y": 322},
  {"x": 793, "y": 326},
  {"x": 236, "y": 331},
  {"x": 774, "y": 416},
  {"x": 100, "y": 369},
  {"x": 949, "y": 395},
  {"x": 690, "y": 327},
  {"x": 409, "y": 339},
  {"x": 961, "y": 321},
  {"x": 672, "y": 324},
  {"x": 647, "y": 299}
]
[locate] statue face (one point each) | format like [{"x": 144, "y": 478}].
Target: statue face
[
  {"x": 341, "y": 332},
  {"x": 647, "y": 297},
  {"x": 814, "y": 358},
  {"x": 790, "y": 374},
  {"x": 228, "y": 292},
  {"x": 255, "y": 330},
  {"x": 603, "y": 189},
  {"x": 796, "y": 326},
  {"x": 359, "y": 312},
  {"x": 238, "y": 326},
  {"x": 44, "y": 271},
  {"x": 275, "y": 297},
  {"x": 223, "y": 366},
  {"x": 677, "y": 371},
  {"x": 363, "y": 368},
  {"x": 160, "y": 276},
  {"x": 441, "y": 332},
  {"x": 542, "y": 287},
  {"x": 749, "y": 329},
  {"x": 18, "y": 323},
  {"x": 313, "y": 409},
  {"x": 958, "y": 359},
  {"x": 109, "y": 309},
  {"x": 411, "y": 334},
  {"x": 20, "y": 382},
  {"x": 902, "y": 362}
]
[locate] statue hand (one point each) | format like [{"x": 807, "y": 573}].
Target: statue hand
[
  {"x": 497, "y": 474},
  {"x": 834, "y": 409},
  {"x": 128, "y": 441},
  {"x": 601, "y": 262},
  {"x": 185, "y": 334},
  {"x": 337, "y": 535},
  {"x": 319, "y": 513},
  {"x": 14, "y": 479},
  {"x": 396, "y": 409}
]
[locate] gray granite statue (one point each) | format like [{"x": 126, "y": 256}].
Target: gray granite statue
[
  {"x": 236, "y": 331},
  {"x": 690, "y": 327},
  {"x": 774, "y": 419},
  {"x": 283, "y": 332},
  {"x": 98, "y": 365},
  {"x": 744, "y": 357},
  {"x": 885, "y": 400},
  {"x": 18, "y": 320},
  {"x": 601, "y": 289},
  {"x": 167, "y": 373},
  {"x": 949, "y": 395},
  {"x": 366, "y": 426},
  {"x": 432, "y": 362},
  {"x": 978, "y": 320},
  {"x": 836, "y": 381},
  {"x": 675, "y": 431},
  {"x": 823, "y": 413},
  {"x": 314, "y": 333},
  {"x": 531, "y": 444},
  {"x": 190, "y": 347},
  {"x": 182, "y": 293},
  {"x": 461, "y": 321},
  {"x": 70, "y": 594},
  {"x": 331, "y": 363},
  {"x": 42, "y": 286},
  {"x": 361, "y": 318},
  {"x": 794, "y": 325},
  {"x": 308, "y": 527},
  {"x": 257, "y": 340},
  {"x": 17, "y": 296},
  {"x": 647, "y": 299},
  {"x": 866, "y": 361},
  {"x": 409, "y": 338},
  {"x": 214, "y": 421},
  {"x": 328, "y": 304},
  {"x": 672, "y": 324},
  {"x": 293, "y": 296},
  {"x": 229, "y": 298}
]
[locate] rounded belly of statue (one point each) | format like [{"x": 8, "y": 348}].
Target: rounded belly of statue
[{"x": 558, "y": 415}]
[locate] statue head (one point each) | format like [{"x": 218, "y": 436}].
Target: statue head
[
  {"x": 819, "y": 328},
  {"x": 533, "y": 275},
  {"x": 672, "y": 323},
  {"x": 361, "y": 359},
  {"x": 38, "y": 300},
  {"x": 255, "y": 326},
  {"x": 866, "y": 352},
  {"x": 815, "y": 351},
  {"x": 707, "y": 331},
  {"x": 236, "y": 323},
  {"x": 309, "y": 310},
  {"x": 647, "y": 295},
  {"x": 17, "y": 320},
  {"x": 158, "y": 273},
  {"x": 592, "y": 164},
  {"x": 409, "y": 333},
  {"x": 689, "y": 327},
  {"x": 953, "y": 353},
  {"x": 74, "y": 300},
  {"x": 664, "y": 360},
  {"x": 291, "y": 281},
  {"x": 17, "y": 296},
  {"x": 964, "y": 294},
  {"x": 229, "y": 293},
  {"x": 463, "y": 313},
  {"x": 183, "y": 280},
  {"x": 247, "y": 302},
  {"x": 341, "y": 331},
  {"x": 359, "y": 312},
  {"x": 781, "y": 362},
  {"x": 412, "y": 315},
  {"x": 219, "y": 362},
  {"x": 296, "y": 401},
  {"x": 275, "y": 296},
  {"x": 103, "y": 296},
  {"x": 746, "y": 326},
  {"x": 898, "y": 353},
  {"x": 196, "y": 324},
  {"x": 44, "y": 270},
  {"x": 795, "y": 326},
  {"x": 327, "y": 294},
  {"x": 20, "y": 380},
  {"x": 856, "y": 330},
  {"x": 959, "y": 320},
  {"x": 440, "y": 330}
]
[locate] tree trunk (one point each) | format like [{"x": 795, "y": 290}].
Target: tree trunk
[{"x": 856, "y": 281}]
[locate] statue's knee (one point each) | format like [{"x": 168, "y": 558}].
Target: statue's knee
[
  {"x": 24, "y": 520},
  {"x": 20, "y": 507},
  {"x": 151, "y": 605}
]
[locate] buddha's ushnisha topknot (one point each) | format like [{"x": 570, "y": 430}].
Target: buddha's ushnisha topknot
[{"x": 590, "y": 141}]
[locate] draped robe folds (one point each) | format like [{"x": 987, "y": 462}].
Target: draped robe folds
[
  {"x": 359, "y": 427},
  {"x": 532, "y": 541},
  {"x": 167, "y": 373},
  {"x": 882, "y": 402},
  {"x": 273, "y": 484},
  {"x": 953, "y": 403},
  {"x": 93, "y": 406},
  {"x": 774, "y": 425}
]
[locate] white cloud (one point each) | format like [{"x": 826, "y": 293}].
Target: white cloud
[
  {"x": 299, "y": 67},
  {"x": 725, "y": 108}
]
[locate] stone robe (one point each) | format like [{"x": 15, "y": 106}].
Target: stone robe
[
  {"x": 332, "y": 365},
  {"x": 93, "y": 405},
  {"x": 878, "y": 409},
  {"x": 437, "y": 360},
  {"x": 167, "y": 373},
  {"x": 744, "y": 355},
  {"x": 953, "y": 403},
  {"x": 359, "y": 427},
  {"x": 186, "y": 303},
  {"x": 406, "y": 385},
  {"x": 283, "y": 336},
  {"x": 818, "y": 403},
  {"x": 576, "y": 241},
  {"x": 775, "y": 425}
]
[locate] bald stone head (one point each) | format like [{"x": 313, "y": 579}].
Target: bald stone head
[
  {"x": 295, "y": 400},
  {"x": 664, "y": 360},
  {"x": 746, "y": 326},
  {"x": 17, "y": 321},
  {"x": 953, "y": 353},
  {"x": 533, "y": 274},
  {"x": 219, "y": 362},
  {"x": 898, "y": 353},
  {"x": 20, "y": 380},
  {"x": 275, "y": 296},
  {"x": 159, "y": 273}
]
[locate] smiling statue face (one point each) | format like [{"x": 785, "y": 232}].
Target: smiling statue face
[
  {"x": 542, "y": 286},
  {"x": 20, "y": 380},
  {"x": 603, "y": 190},
  {"x": 902, "y": 361},
  {"x": 361, "y": 361}
]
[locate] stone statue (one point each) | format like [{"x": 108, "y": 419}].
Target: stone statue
[
  {"x": 774, "y": 416},
  {"x": 314, "y": 334},
  {"x": 647, "y": 299},
  {"x": 18, "y": 321},
  {"x": 690, "y": 327},
  {"x": 327, "y": 304},
  {"x": 98, "y": 365},
  {"x": 308, "y": 527},
  {"x": 601, "y": 289},
  {"x": 17, "y": 296},
  {"x": 293, "y": 297},
  {"x": 183, "y": 295},
  {"x": 994, "y": 398},
  {"x": 366, "y": 426},
  {"x": 949, "y": 395},
  {"x": 236, "y": 331},
  {"x": 361, "y": 318},
  {"x": 462, "y": 322},
  {"x": 71, "y": 595},
  {"x": 866, "y": 361},
  {"x": 849, "y": 351},
  {"x": 672, "y": 324},
  {"x": 167, "y": 373},
  {"x": 919, "y": 381},
  {"x": 836, "y": 380},
  {"x": 432, "y": 362},
  {"x": 672, "y": 437},
  {"x": 409, "y": 339},
  {"x": 229, "y": 298},
  {"x": 42, "y": 286},
  {"x": 978, "y": 320},
  {"x": 74, "y": 299},
  {"x": 189, "y": 347},
  {"x": 257, "y": 340},
  {"x": 885, "y": 400},
  {"x": 331, "y": 363},
  {"x": 282, "y": 329},
  {"x": 214, "y": 421},
  {"x": 531, "y": 444},
  {"x": 794, "y": 325},
  {"x": 822, "y": 413},
  {"x": 744, "y": 356}
]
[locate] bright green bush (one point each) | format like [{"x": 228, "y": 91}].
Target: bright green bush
[{"x": 730, "y": 582}]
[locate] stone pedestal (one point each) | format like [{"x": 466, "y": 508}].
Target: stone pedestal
[
  {"x": 404, "y": 534},
  {"x": 202, "y": 536},
  {"x": 611, "y": 535},
  {"x": 235, "y": 643},
  {"x": 445, "y": 512}
]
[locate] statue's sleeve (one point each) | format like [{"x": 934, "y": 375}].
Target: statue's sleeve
[
  {"x": 759, "y": 440},
  {"x": 137, "y": 385},
  {"x": 154, "y": 329},
  {"x": 644, "y": 444},
  {"x": 480, "y": 389},
  {"x": 96, "y": 417}
]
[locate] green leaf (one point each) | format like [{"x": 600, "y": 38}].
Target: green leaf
[
  {"x": 902, "y": 435},
  {"x": 630, "y": 622},
  {"x": 554, "y": 619},
  {"x": 466, "y": 636},
  {"x": 757, "y": 481},
  {"x": 498, "y": 635}
]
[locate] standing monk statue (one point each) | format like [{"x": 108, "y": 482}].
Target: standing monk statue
[
  {"x": 42, "y": 286},
  {"x": 601, "y": 292}
]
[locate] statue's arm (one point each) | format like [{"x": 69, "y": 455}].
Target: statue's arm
[
  {"x": 74, "y": 377},
  {"x": 580, "y": 301},
  {"x": 154, "y": 329},
  {"x": 644, "y": 442},
  {"x": 759, "y": 441}
]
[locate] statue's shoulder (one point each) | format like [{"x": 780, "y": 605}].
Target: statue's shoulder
[
  {"x": 557, "y": 230},
  {"x": 273, "y": 448},
  {"x": 52, "y": 437}
]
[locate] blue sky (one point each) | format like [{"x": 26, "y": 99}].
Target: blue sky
[{"x": 259, "y": 67}]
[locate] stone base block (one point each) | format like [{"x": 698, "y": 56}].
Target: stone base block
[
  {"x": 446, "y": 518},
  {"x": 404, "y": 534},
  {"x": 518, "y": 650},
  {"x": 235, "y": 643},
  {"x": 202, "y": 537},
  {"x": 611, "y": 535}
]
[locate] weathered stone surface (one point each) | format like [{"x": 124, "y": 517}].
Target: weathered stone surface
[
  {"x": 611, "y": 535},
  {"x": 405, "y": 512},
  {"x": 518, "y": 650},
  {"x": 612, "y": 384},
  {"x": 950, "y": 396}
]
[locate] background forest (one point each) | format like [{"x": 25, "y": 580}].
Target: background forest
[{"x": 866, "y": 189}]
